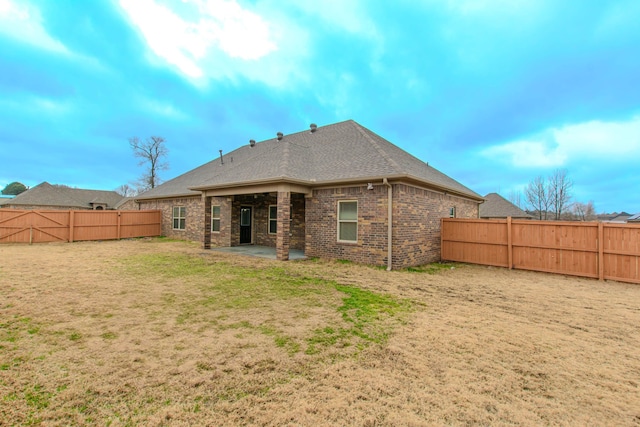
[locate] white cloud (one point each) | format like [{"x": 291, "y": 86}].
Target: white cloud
[
  {"x": 594, "y": 140},
  {"x": 23, "y": 22},
  {"x": 187, "y": 33},
  {"x": 239, "y": 32},
  {"x": 526, "y": 154}
]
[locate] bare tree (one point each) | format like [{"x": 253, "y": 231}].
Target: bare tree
[
  {"x": 584, "y": 211},
  {"x": 559, "y": 192},
  {"x": 125, "y": 190},
  {"x": 537, "y": 196},
  {"x": 590, "y": 211},
  {"x": 151, "y": 152}
]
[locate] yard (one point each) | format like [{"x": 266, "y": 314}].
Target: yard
[{"x": 158, "y": 332}]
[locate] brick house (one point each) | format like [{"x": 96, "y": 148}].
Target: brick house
[{"x": 338, "y": 191}]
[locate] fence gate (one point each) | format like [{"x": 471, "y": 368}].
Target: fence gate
[{"x": 35, "y": 226}]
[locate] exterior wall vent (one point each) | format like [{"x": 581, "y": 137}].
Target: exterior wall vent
[
  {"x": 313, "y": 127},
  {"x": 280, "y": 135},
  {"x": 252, "y": 142}
]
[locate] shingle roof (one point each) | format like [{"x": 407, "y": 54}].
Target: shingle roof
[
  {"x": 45, "y": 194},
  {"x": 634, "y": 218},
  {"x": 496, "y": 206},
  {"x": 340, "y": 152}
]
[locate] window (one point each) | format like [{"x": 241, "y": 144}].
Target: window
[
  {"x": 348, "y": 221},
  {"x": 179, "y": 217},
  {"x": 452, "y": 212},
  {"x": 215, "y": 219},
  {"x": 273, "y": 219}
]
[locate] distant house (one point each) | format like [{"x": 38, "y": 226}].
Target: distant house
[
  {"x": 5, "y": 199},
  {"x": 337, "y": 191},
  {"x": 497, "y": 207},
  {"x": 47, "y": 196},
  {"x": 634, "y": 218},
  {"x": 621, "y": 217}
]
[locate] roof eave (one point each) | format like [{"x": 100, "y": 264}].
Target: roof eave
[
  {"x": 446, "y": 190},
  {"x": 326, "y": 183},
  {"x": 167, "y": 196}
]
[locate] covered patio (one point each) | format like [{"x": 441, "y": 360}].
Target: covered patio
[{"x": 265, "y": 220}]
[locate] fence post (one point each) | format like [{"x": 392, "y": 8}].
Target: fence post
[
  {"x": 71, "y": 226},
  {"x": 441, "y": 236},
  {"x": 509, "y": 243},
  {"x": 118, "y": 232},
  {"x": 600, "y": 251}
]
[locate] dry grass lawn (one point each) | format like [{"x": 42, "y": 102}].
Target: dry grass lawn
[{"x": 154, "y": 332}]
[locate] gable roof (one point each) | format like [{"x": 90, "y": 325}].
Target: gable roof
[
  {"x": 634, "y": 218},
  {"x": 339, "y": 153},
  {"x": 45, "y": 194},
  {"x": 496, "y": 206}
]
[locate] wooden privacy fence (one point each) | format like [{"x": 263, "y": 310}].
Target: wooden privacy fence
[
  {"x": 36, "y": 226},
  {"x": 588, "y": 249}
]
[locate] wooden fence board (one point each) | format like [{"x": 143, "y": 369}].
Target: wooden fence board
[
  {"x": 35, "y": 226},
  {"x": 588, "y": 249}
]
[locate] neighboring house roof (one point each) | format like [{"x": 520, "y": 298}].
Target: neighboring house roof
[
  {"x": 333, "y": 154},
  {"x": 634, "y": 218},
  {"x": 606, "y": 217},
  {"x": 615, "y": 217},
  {"x": 622, "y": 217},
  {"x": 496, "y": 206},
  {"x": 45, "y": 194}
]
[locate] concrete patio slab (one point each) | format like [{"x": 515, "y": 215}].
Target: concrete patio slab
[{"x": 260, "y": 251}]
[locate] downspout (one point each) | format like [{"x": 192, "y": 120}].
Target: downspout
[{"x": 389, "y": 223}]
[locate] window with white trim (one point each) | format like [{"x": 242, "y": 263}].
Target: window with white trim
[
  {"x": 452, "y": 212},
  {"x": 273, "y": 219},
  {"x": 215, "y": 219},
  {"x": 179, "y": 217},
  {"x": 348, "y": 221}
]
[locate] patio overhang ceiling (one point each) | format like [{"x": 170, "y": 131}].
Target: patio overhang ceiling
[{"x": 255, "y": 187}]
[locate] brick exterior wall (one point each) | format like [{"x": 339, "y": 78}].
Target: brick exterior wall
[
  {"x": 129, "y": 205},
  {"x": 222, "y": 237},
  {"x": 322, "y": 225},
  {"x": 194, "y": 221},
  {"x": 416, "y": 224}
]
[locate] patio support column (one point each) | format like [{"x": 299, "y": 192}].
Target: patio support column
[
  {"x": 206, "y": 239},
  {"x": 282, "y": 234}
]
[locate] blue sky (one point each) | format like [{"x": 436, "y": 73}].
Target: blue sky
[{"x": 490, "y": 92}]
